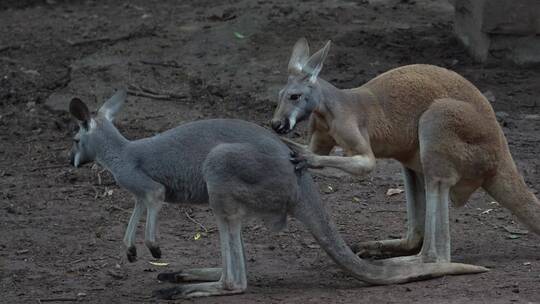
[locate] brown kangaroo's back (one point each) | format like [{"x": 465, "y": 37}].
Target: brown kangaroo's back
[{"x": 405, "y": 93}]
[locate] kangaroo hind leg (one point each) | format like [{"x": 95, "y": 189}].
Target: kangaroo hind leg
[
  {"x": 455, "y": 154},
  {"x": 416, "y": 205},
  {"x": 233, "y": 278}
]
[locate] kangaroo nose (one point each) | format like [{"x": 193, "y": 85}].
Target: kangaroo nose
[
  {"x": 280, "y": 126},
  {"x": 276, "y": 124}
]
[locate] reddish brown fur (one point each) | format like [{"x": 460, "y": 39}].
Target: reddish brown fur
[{"x": 436, "y": 123}]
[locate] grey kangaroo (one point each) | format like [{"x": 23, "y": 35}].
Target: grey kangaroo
[{"x": 240, "y": 169}]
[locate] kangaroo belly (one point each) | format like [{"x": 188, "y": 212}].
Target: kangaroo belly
[{"x": 192, "y": 192}]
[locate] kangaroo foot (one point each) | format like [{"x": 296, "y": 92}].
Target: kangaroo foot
[
  {"x": 388, "y": 248},
  {"x": 155, "y": 251},
  {"x": 191, "y": 275},
  {"x": 195, "y": 290}
]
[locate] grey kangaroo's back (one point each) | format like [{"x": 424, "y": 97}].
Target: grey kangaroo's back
[{"x": 175, "y": 158}]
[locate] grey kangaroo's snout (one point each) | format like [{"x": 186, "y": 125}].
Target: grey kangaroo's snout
[{"x": 281, "y": 126}]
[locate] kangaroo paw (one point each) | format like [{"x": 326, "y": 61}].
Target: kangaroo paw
[
  {"x": 155, "y": 251},
  {"x": 131, "y": 254}
]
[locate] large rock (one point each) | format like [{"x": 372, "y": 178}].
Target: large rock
[{"x": 499, "y": 29}]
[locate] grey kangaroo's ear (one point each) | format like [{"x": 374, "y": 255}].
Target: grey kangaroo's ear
[
  {"x": 315, "y": 63},
  {"x": 79, "y": 110},
  {"x": 111, "y": 107},
  {"x": 300, "y": 55}
]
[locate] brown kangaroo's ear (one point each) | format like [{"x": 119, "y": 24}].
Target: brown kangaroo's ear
[
  {"x": 79, "y": 110},
  {"x": 300, "y": 55},
  {"x": 315, "y": 63}
]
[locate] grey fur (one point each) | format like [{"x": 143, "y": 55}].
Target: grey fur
[{"x": 241, "y": 170}]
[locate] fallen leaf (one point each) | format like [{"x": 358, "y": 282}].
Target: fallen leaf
[
  {"x": 329, "y": 189},
  {"x": 239, "y": 35},
  {"x": 394, "y": 191},
  {"x": 22, "y": 251},
  {"x": 197, "y": 236},
  {"x": 486, "y": 211},
  {"x": 513, "y": 236},
  {"x": 489, "y": 96},
  {"x": 116, "y": 274},
  {"x": 514, "y": 230},
  {"x": 30, "y": 72},
  {"x": 356, "y": 199},
  {"x": 158, "y": 263}
]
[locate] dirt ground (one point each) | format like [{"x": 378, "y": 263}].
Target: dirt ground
[{"x": 62, "y": 228}]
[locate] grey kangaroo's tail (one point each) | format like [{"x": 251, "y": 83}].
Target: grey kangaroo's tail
[
  {"x": 509, "y": 189},
  {"x": 310, "y": 210}
]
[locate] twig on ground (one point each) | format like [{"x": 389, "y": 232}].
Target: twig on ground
[
  {"x": 57, "y": 300},
  {"x": 384, "y": 210},
  {"x": 100, "y": 181},
  {"x": 170, "y": 64},
  {"x": 9, "y": 60},
  {"x": 149, "y": 95},
  {"x": 137, "y": 90},
  {"x": 9, "y": 47},
  {"x": 141, "y": 31},
  {"x": 76, "y": 261},
  {"x": 96, "y": 192},
  {"x": 118, "y": 208},
  {"x": 89, "y": 41},
  {"x": 196, "y": 222},
  {"x": 397, "y": 45},
  {"x": 48, "y": 167}
]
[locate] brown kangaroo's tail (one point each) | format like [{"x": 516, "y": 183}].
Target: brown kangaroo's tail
[{"x": 509, "y": 189}]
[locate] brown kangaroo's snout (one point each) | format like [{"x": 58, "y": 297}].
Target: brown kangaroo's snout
[{"x": 280, "y": 126}]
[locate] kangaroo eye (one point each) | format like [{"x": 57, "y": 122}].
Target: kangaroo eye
[
  {"x": 295, "y": 96},
  {"x": 76, "y": 140}
]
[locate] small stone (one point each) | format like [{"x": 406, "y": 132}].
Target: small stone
[
  {"x": 502, "y": 115},
  {"x": 532, "y": 116},
  {"x": 329, "y": 189},
  {"x": 116, "y": 274},
  {"x": 489, "y": 96},
  {"x": 394, "y": 191},
  {"x": 514, "y": 230},
  {"x": 10, "y": 209}
]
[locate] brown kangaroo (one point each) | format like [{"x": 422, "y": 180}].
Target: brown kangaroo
[{"x": 437, "y": 124}]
